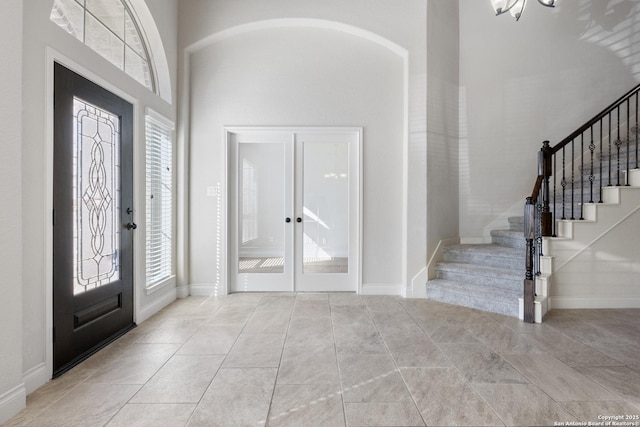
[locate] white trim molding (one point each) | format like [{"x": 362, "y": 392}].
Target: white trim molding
[{"x": 12, "y": 402}]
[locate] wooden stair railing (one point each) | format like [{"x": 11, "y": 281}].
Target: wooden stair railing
[{"x": 611, "y": 133}]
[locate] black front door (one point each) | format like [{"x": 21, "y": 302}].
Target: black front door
[{"x": 93, "y": 222}]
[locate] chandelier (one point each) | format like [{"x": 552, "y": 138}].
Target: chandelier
[{"x": 516, "y": 7}]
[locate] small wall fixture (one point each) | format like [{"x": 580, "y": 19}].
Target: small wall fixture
[{"x": 516, "y": 7}]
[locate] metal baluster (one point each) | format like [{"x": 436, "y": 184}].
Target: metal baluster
[
  {"x": 637, "y": 130},
  {"x": 628, "y": 138},
  {"x": 609, "y": 149},
  {"x": 573, "y": 158},
  {"x": 601, "y": 154},
  {"x": 592, "y": 148},
  {"x": 554, "y": 194},
  {"x": 618, "y": 144},
  {"x": 563, "y": 183},
  {"x": 582, "y": 176}
]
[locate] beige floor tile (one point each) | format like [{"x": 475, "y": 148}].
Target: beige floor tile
[
  {"x": 268, "y": 322},
  {"x": 232, "y": 314},
  {"x": 385, "y": 304},
  {"x": 382, "y": 414},
  {"x": 312, "y": 308},
  {"x": 396, "y": 323},
  {"x": 523, "y": 404},
  {"x": 87, "y": 405},
  {"x": 444, "y": 398},
  {"x": 306, "y": 405},
  {"x": 183, "y": 379},
  {"x": 173, "y": 330},
  {"x": 452, "y": 334},
  {"x": 301, "y": 365},
  {"x": 501, "y": 339},
  {"x": 623, "y": 381},
  {"x": 212, "y": 339},
  {"x": 558, "y": 380},
  {"x": 236, "y": 397},
  {"x": 153, "y": 415},
  {"x": 570, "y": 351},
  {"x": 416, "y": 351},
  {"x": 371, "y": 378},
  {"x": 344, "y": 298},
  {"x": 276, "y": 303},
  {"x": 479, "y": 364},
  {"x": 49, "y": 393},
  {"x": 256, "y": 351},
  {"x": 136, "y": 365}
]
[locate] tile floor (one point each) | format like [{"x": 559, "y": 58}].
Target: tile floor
[{"x": 347, "y": 360}]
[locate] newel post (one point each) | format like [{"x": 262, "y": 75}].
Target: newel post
[
  {"x": 545, "y": 170},
  {"x": 529, "y": 282}
]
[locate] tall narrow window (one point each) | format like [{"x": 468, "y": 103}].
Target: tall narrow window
[
  {"x": 159, "y": 198},
  {"x": 110, "y": 29}
]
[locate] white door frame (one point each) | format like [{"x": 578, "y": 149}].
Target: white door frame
[{"x": 355, "y": 205}]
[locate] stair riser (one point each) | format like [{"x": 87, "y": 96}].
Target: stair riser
[
  {"x": 510, "y": 242},
  {"x": 510, "y": 309},
  {"x": 489, "y": 282}
]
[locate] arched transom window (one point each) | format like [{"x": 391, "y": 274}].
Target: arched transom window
[{"x": 109, "y": 28}]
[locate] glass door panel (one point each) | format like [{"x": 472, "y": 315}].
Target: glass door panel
[
  {"x": 262, "y": 250},
  {"x": 261, "y": 215},
  {"x": 325, "y": 208}
]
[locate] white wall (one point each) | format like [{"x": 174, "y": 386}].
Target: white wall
[
  {"x": 301, "y": 75},
  {"x": 12, "y": 392},
  {"x": 44, "y": 40},
  {"x": 443, "y": 42},
  {"x": 527, "y": 81}
]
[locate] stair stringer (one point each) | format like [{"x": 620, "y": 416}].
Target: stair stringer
[{"x": 594, "y": 263}]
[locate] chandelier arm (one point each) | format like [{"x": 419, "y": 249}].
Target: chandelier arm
[
  {"x": 519, "y": 14},
  {"x": 551, "y": 4},
  {"x": 507, "y": 9}
]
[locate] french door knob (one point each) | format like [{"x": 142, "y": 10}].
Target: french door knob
[
  {"x": 131, "y": 226},
  {"x": 287, "y": 220},
  {"x": 298, "y": 219}
]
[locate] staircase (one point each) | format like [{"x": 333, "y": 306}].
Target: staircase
[
  {"x": 483, "y": 276},
  {"x": 587, "y": 186}
]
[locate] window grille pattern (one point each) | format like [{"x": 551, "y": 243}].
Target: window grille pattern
[
  {"x": 159, "y": 202},
  {"x": 96, "y": 210},
  {"x": 107, "y": 27}
]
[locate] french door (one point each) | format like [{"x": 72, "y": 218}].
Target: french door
[
  {"x": 295, "y": 209},
  {"x": 93, "y": 222}
]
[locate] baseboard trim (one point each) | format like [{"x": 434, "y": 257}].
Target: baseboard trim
[
  {"x": 575, "y": 302},
  {"x": 12, "y": 402},
  {"x": 35, "y": 378},
  {"x": 182, "y": 291},
  {"x": 418, "y": 288},
  {"x": 380, "y": 289},
  {"x": 155, "y": 306},
  {"x": 206, "y": 289}
]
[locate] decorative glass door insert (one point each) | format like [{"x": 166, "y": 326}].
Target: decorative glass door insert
[{"x": 96, "y": 213}]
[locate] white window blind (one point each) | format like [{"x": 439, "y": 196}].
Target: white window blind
[{"x": 159, "y": 165}]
